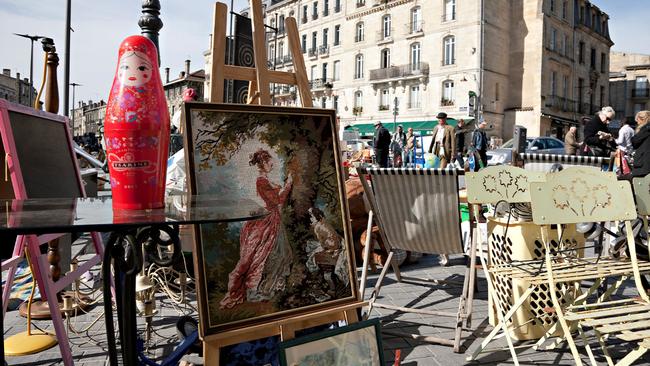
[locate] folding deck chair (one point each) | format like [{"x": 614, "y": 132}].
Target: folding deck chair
[
  {"x": 418, "y": 210},
  {"x": 626, "y": 319},
  {"x": 545, "y": 162},
  {"x": 578, "y": 195}
]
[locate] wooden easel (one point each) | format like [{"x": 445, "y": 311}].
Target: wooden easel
[{"x": 260, "y": 79}]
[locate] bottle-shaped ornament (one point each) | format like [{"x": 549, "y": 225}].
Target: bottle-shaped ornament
[{"x": 136, "y": 128}]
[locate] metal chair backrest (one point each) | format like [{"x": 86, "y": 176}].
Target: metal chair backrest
[
  {"x": 642, "y": 194},
  {"x": 500, "y": 183},
  {"x": 417, "y": 209},
  {"x": 545, "y": 162},
  {"x": 581, "y": 195}
]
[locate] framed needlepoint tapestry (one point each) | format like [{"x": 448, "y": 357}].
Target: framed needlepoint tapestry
[{"x": 295, "y": 260}]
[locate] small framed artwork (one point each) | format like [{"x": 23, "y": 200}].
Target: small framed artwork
[
  {"x": 357, "y": 344},
  {"x": 295, "y": 260}
]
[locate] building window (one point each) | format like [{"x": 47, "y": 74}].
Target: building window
[
  {"x": 385, "y": 58},
  {"x": 641, "y": 82},
  {"x": 565, "y": 9},
  {"x": 325, "y": 72},
  {"x": 553, "y": 83},
  {"x": 314, "y": 36},
  {"x": 581, "y": 86},
  {"x": 272, "y": 53},
  {"x": 447, "y": 92},
  {"x": 602, "y": 96},
  {"x": 325, "y": 33},
  {"x": 314, "y": 13},
  {"x": 496, "y": 92},
  {"x": 603, "y": 62},
  {"x": 281, "y": 25},
  {"x": 337, "y": 35},
  {"x": 358, "y": 99},
  {"x": 592, "y": 59},
  {"x": 337, "y": 70},
  {"x": 359, "y": 33},
  {"x": 304, "y": 43},
  {"x": 384, "y": 103},
  {"x": 450, "y": 10},
  {"x": 565, "y": 86},
  {"x": 414, "y": 96},
  {"x": 337, "y": 6},
  {"x": 326, "y": 8},
  {"x": 552, "y": 6},
  {"x": 415, "y": 56},
  {"x": 565, "y": 45},
  {"x": 553, "y": 39},
  {"x": 416, "y": 20},
  {"x": 581, "y": 52},
  {"x": 305, "y": 9},
  {"x": 449, "y": 51},
  {"x": 358, "y": 67},
  {"x": 312, "y": 73},
  {"x": 335, "y": 102},
  {"x": 638, "y": 107},
  {"x": 386, "y": 26},
  {"x": 323, "y": 102}
]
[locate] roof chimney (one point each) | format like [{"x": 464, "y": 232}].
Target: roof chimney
[
  {"x": 6, "y": 72},
  {"x": 187, "y": 67},
  {"x": 166, "y": 75}
]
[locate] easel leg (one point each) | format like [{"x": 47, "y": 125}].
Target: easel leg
[{"x": 211, "y": 353}]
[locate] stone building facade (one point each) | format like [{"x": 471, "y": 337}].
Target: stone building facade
[
  {"x": 174, "y": 88},
  {"x": 537, "y": 63},
  {"x": 628, "y": 83},
  {"x": 88, "y": 118},
  {"x": 15, "y": 89}
]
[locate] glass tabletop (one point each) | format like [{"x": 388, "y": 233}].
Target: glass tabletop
[{"x": 52, "y": 215}]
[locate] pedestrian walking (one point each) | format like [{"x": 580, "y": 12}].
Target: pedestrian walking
[
  {"x": 598, "y": 140},
  {"x": 459, "y": 134},
  {"x": 398, "y": 143},
  {"x": 410, "y": 148},
  {"x": 443, "y": 144},
  {"x": 571, "y": 144},
  {"x": 624, "y": 139},
  {"x": 381, "y": 143},
  {"x": 480, "y": 143},
  {"x": 641, "y": 145}
]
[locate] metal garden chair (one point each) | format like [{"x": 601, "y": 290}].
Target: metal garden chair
[{"x": 418, "y": 210}]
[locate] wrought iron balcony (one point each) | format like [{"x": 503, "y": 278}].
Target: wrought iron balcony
[
  {"x": 361, "y": 3},
  {"x": 641, "y": 92},
  {"x": 446, "y": 102},
  {"x": 287, "y": 59},
  {"x": 560, "y": 103},
  {"x": 414, "y": 28},
  {"x": 321, "y": 83},
  {"x": 385, "y": 35},
  {"x": 401, "y": 71},
  {"x": 324, "y": 50},
  {"x": 312, "y": 52},
  {"x": 384, "y": 107},
  {"x": 414, "y": 104}
]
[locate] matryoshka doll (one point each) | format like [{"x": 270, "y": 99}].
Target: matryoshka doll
[{"x": 136, "y": 128}]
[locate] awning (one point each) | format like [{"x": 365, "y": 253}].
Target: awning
[{"x": 424, "y": 127}]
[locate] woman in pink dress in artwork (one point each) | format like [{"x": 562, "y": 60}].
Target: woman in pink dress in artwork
[{"x": 264, "y": 254}]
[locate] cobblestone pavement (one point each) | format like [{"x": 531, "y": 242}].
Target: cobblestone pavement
[{"x": 89, "y": 348}]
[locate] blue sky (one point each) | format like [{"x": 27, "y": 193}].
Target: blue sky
[{"x": 100, "y": 26}]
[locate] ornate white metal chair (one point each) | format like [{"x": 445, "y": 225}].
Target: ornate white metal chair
[
  {"x": 418, "y": 210},
  {"x": 579, "y": 195}
]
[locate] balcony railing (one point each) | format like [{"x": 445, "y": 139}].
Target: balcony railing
[
  {"x": 321, "y": 83},
  {"x": 384, "y": 107},
  {"x": 279, "y": 61},
  {"x": 304, "y": 19},
  {"x": 414, "y": 104},
  {"x": 449, "y": 17},
  {"x": 560, "y": 103},
  {"x": 413, "y": 28},
  {"x": 361, "y": 3},
  {"x": 641, "y": 92},
  {"x": 385, "y": 35},
  {"x": 287, "y": 59},
  {"x": 358, "y": 38},
  {"x": 281, "y": 89},
  {"x": 324, "y": 50},
  {"x": 312, "y": 52},
  {"x": 394, "y": 72},
  {"x": 446, "y": 102}
]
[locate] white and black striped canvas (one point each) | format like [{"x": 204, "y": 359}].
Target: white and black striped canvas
[
  {"x": 545, "y": 162},
  {"x": 418, "y": 208}
]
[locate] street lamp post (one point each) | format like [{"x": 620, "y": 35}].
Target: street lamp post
[
  {"x": 31, "y": 65},
  {"x": 395, "y": 113},
  {"x": 74, "y": 86}
]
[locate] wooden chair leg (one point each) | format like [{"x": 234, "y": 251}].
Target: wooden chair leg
[
  {"x": 472, "y": 283},
  {"x": 366, "y": 257},
  {"x": 632, "y": 356}
]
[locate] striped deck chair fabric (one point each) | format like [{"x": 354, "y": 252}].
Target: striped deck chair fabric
[
  {"x": 419, "y": 211},
  {"x": 544, "y": 162}
]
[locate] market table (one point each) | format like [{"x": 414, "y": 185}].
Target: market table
[{"x": 131, "y": 231}]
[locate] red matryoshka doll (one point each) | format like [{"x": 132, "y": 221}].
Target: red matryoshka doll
[{"x": 136, "y": 128}]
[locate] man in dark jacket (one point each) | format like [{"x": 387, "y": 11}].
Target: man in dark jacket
[
  {"x": 480, "y": 143},
  {"x": 381, "y": 143},
  {"x": 459, "y": 131},
  {"x": 597, "y": 136}
]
